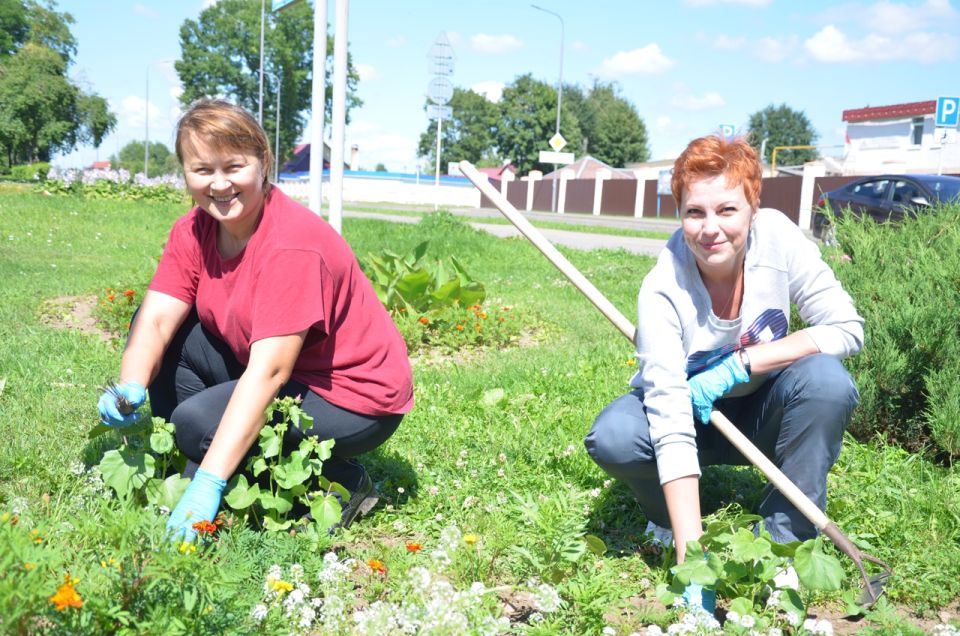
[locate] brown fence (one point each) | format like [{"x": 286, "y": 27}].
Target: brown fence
[{"x": 619, "y": 197}]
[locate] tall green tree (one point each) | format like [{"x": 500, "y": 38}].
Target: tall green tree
[
  {"x": 51, "y": 29},
  {"x": 612, "y": 130},
  {"x": 14, "y": 26},
  {"x": 221, "y": 57},
  {"x": 468, "y": 135},
  {"x": 39, "y": 105},
  {"x": 783, "y": 126},
  {"x": 160, "y": 159},
  {"x": 528, "y": 115},
  {"x": 96, "y": 120}
]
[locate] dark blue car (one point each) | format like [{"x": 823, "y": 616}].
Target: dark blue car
[{"x": 883, "y": 198}]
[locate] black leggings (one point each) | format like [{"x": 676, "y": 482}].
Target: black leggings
[{"x": 197, "y": 378}]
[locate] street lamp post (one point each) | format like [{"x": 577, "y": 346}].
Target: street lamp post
[
  {"x": 263, "y": 13},
  {"x": 559, "y": 92},
  {"x": 276, "y": 145}
]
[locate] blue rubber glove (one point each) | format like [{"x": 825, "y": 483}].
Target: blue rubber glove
[
  {"x": 132, "y": 392},
  {"x": 713, "y": 382},
  {"x": 696, "y": 596},
  {"x": 199, "y": 502}
]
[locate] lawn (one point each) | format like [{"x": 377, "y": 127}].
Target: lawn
[{"x": 486, "y": 491}]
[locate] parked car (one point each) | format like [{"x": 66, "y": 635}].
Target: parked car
[{"x": 883, "y": 198}]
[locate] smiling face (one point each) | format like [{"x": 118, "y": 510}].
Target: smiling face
[
  {"x": 227, "y": 184},
  {"x": 716, "y": 223}
]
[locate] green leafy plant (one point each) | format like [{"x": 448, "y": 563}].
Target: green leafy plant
[
  {"x": 115, "y": 309},
  {"x": 741, "y": 566}
]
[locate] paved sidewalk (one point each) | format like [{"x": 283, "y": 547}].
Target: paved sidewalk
[{"x": 567, "y": 238}]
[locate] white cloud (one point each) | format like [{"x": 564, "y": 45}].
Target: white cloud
[
  {"x": 377, "y": 145},
  {"x": 209, "y": 3},
  {"x": 492, "y": 90},
  {"x": 729, "y": 43},
  {"x": 366, "y": 72},
  {"x": 146, "y": 12},
  {"x": 692, "y": 102},
  {"x": 831, "y": 45},
  {"x": 648, "y": 60},
  {"x": 579, "y": 46},
  {"x": 495, "y": 43},
  {"x": 746, "y": 3},
  {"x": 131, "y": 112},
  {"x": 894, "y": 17},
  {"x": 396, "y": 42},
  {"x": 774, "y": 50}
]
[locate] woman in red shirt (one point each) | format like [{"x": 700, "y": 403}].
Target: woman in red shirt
[{"x": 256, "y": 296}]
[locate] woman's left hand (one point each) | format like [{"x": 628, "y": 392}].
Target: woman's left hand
[
  {"x": 713, "y": 382},
  {"x": 200, "y": 502}
]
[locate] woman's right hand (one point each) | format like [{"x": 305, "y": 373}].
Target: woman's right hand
[{"x": 133, "y": 394}]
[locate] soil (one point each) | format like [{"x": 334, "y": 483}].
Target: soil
[{"x": 73, "y": 312}]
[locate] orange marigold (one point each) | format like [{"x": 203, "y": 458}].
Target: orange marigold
[
  {"x": 477, "y": 327},
  {"x": 66, "y": 595},
  {"x": 414, "y": 547},
  {"x": 205, "y": 527},
  {"x": 377, "y": 566},
  {"x": 110, "y": 297},
  {"x": 424, "y": 320},
  {"x": 459, "y": 327}
]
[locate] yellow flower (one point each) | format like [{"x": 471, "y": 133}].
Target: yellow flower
[
  {"x": 66, "y": 596},
  {"x": 279, "y": 586},
  {"x": 28, "y": 566},
  {"x": 470, "y": 539},
  {"x": 186, "y": 547}
]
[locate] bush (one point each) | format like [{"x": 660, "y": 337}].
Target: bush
[
  {"x": 30, "y": 172},
  {"x": 905, "y": 281}
]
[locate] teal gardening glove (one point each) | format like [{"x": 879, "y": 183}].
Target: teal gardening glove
[
  {"x": 713, "y": 382},
  {"x": 133, "y": 394},
  {"x": 199, "y": 502},
  {"x": 697, "y": 596}
]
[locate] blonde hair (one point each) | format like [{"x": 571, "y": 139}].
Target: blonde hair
[{"x": 224, "y": 127}]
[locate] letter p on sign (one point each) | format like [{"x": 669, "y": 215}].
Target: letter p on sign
[{"x": 948, "y": 112}]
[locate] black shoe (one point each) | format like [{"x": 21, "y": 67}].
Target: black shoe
[{"x": 363, "y": 497}]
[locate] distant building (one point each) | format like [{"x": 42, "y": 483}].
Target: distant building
[
  {"x": 299, "y": 166},
  {"x": 587, "y": 168},
  {"x": 898, "y": 138},
  {"x": 99, "y": 165}
]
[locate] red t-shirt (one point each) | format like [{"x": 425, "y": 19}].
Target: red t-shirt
[{"x": 295, "y": 273}]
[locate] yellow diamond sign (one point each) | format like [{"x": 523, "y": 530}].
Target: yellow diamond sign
[{"x": 557, "y": 142}]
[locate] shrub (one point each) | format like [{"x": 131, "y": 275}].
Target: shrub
[
  {"x": 30, "y": 172},
  {"x": 905, "y": 281}
]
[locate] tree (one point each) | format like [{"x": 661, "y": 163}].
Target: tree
[
  {"x": 612, "y": 130},
  {"x": 39, "y": 105},
  {"x": 14, "y": 26},
  {"x": 380, "y": 168},
  {"x": 468, "y": 135},
  {"x": 221, "y": 57},
  {"x": 51, "y": 29},
  {"x": 782, "y": 126},
  {"x": 528, "y": 118},
  {"x": 160, "y": 159},
  {"x": 96, "y": 120}
]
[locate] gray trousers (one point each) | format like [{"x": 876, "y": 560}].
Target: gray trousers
[{"x": 796, "y": 418}]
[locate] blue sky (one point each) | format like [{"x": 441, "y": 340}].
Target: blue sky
[{"x": 687, "y": 66}]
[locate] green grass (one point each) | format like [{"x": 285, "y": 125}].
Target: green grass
[{"x": 461, "y": 457}]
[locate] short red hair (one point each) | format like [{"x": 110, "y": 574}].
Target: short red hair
[{"x": 712, "y": 156}]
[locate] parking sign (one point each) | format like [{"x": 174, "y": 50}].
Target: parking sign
[
  {"x": 948, "y": 112},
  {"x": 727, "y": 131}
]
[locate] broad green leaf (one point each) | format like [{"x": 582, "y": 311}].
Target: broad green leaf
[
  {"x": 741, "y": 606},
  {"x": 241, "y": 495},
  {"x": 443, "y": 295},
  {"x": 748, "y": 548},
  {"x": 126, "y": 471},
  {"x": 413, "y": 286},
  {"x": 816, "y": 569},
  {"x": 420, "y": 250},
  {"x": 325, "y": 449},
  {"x": 269, "y": 442},
  {"x": 166, "y": 492},
  {"x": 791, "y": 602},
  {"x": 293, "y": 471},
  {"x": 851, "y": 608},
  {"x": 161, "y": 442},
  {"x": 325, "y": 511},
  {"x": 595, "y": 545},
  {"x": 572, "y": 550},
  {"x": 336, "y": 487},
  {"x": 259, "y": 465},
  {"x": 274, "y": 525},
  {"x": 281, "y": 502},
  {"x": 98, "y": 430}
]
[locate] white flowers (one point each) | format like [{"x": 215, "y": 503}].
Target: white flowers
[{"x": 818, "y": 627}]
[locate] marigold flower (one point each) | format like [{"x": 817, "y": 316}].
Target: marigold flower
[
  {"x": 110, "y": 297},
  {"x": 470, "y": 539},
  {"x": 129, "y": 293},
  {"x": 66, "y": 595},
  {"x": 459, "y": 327},
  {"x": 424, "y": 320},
  {"x": 205, "y": 527},
  {"x": 482, "y": 315},
  {"x": 414, "y": 547},
  {"x": 28, "y": 566},
  {"x": 477, "y": 328},
  {"x": 476, "y": 307},
  {"x": 377, "y": 566}
]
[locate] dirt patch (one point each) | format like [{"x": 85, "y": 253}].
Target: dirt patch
[
  {"x": 431, "y": 357},
  {"x": 73, "y": 312}
]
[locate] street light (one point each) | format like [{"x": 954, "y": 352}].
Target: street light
[
  {"x": 276, "y": 145},
  {"x": 559, "y": 91},
  {"x": 263, "y": 14}
]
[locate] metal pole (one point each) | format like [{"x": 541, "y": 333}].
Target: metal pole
[
  {"x": 318, "y": 103},
  {"x": 146, "y": 126},
  {"x": 262, "y": 16},
  {"x": 276, "y": 146},
  {"x": 553, "y": 205},
  {"x": 339, "y": 114},
  {"x": 436, "y": 183},
  {"x": 943, "y": 141}
]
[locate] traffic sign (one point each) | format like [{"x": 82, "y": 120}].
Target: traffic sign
[
  {"x": 435, "y": 111},
  {"x": 440, "y": 90},
  {"x": 276, "y": 5},
  {"x": 727, "y": 131},
  {"x": 556, "y": 157},
  {"x": 948, "y": 112},
  {"x": 557, "y": 142}
]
